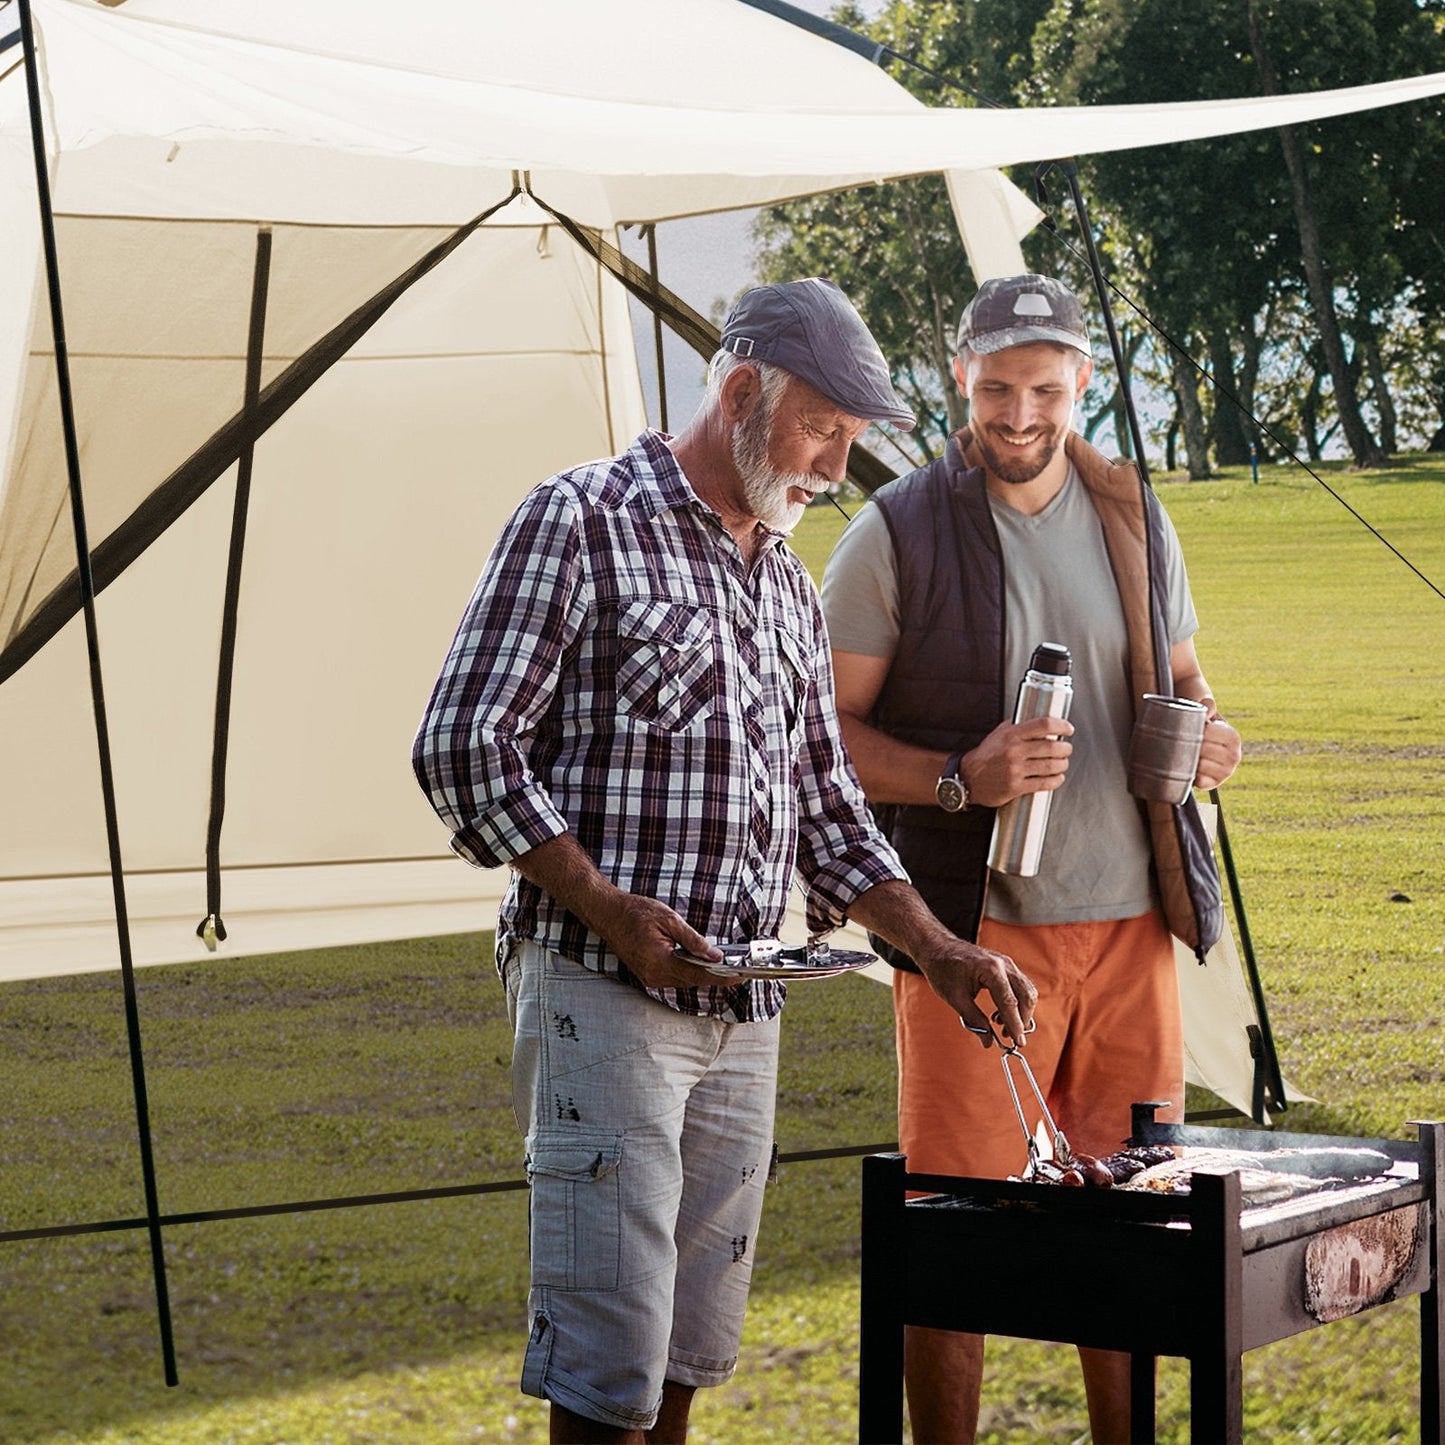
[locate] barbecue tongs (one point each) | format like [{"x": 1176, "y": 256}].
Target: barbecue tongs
[{"x": 1038, "y": 1167}]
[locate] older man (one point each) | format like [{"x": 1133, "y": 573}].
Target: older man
[
  {"x": 935, "y": 597},
  {"x": 637, "y": 716}
]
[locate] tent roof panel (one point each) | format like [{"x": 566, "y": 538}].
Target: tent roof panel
[{"x": 476, "y": 89}]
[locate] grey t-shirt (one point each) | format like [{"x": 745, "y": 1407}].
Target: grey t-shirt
[{"x": 1059, "y": 587}]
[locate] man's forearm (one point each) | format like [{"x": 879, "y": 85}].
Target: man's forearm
[
  {"x": 562, "y": 868},
  {"x": 891, "y": 771},
  {"x": 956, "y": 970},
  {"x": 895, "y": 912}
]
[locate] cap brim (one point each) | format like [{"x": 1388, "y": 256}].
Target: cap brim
[
  {"x": 903, "y": 420},
  {"x": 992, "y": 341},
  {"x": 874, "y": 408}
]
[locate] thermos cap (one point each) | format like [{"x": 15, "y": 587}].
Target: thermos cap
[{"x": 1051, "y": 657}]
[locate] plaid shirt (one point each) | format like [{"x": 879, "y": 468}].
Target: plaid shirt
[{"x": 620, "y": 675}]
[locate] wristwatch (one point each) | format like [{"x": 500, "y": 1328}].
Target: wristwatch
[{"x": 952, "y": 790}]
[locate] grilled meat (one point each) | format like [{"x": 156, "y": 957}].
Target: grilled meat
[{"x": 1084, "y": 1170}]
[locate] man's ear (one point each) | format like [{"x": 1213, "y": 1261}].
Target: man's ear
[
  {"x": 1081, "y": 384},
  {"x": 960, "y": 375},
  {"x": 741, "y": 393}
]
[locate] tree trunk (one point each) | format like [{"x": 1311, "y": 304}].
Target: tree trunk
[
  {"x": 1363, "y": 447},
  {"x": 1123, "y": 437},
  {"x": 1196, "y": 444},
  {"x": 1248, "y": 382},
  {"x": 1231, "y": 443},
  {"x": 1094, "y": 420},
  {"x": 1380, "y": 392},
  {"x": 1171, "y": 442},
  {"x": 1310, "y": 419}
]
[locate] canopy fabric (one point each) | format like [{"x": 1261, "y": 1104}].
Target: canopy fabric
[
  {"x": 629, "y": 111},
  {"x": 367, "y": 138}
]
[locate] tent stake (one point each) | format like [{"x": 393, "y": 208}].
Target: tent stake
[{"x": 97, "y": 691}]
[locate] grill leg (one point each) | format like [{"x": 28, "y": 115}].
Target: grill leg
[
  {"x": 1216, "y": 1402},
  {"x": 882, "y": 1281},
  {"x": 1141, "y": 1399},
  {"x": 1432, "y": 1302}
]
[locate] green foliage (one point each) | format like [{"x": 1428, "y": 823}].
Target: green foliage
[
  {"x": 385, "y": 1067},
  {"x": 1204, "y": 237}
]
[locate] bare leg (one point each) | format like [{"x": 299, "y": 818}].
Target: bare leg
[
  {"x": 943, "y": 1373},
  {"x": 568, "y": 1428},
  {"x": 671, "y": 1427},
  {"x": 1106, "y": 1383}
]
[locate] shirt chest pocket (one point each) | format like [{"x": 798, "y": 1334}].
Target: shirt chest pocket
[
  {"x": 666, "y": 664},
  {"x": 795, "y": 679}
]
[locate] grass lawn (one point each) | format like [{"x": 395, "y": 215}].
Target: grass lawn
[{"x": 385, "y": 1068}]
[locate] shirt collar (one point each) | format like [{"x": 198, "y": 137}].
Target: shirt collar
[{"x": 662, "y": 485}]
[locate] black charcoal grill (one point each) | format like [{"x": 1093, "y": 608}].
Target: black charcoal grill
[{"x": 1200, "y": 1275}]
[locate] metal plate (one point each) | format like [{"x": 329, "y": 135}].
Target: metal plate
[{"x": 763, "y": 959}]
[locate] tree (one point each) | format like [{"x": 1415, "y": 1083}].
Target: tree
[
  {"x": 1289, "y": 293},
  {"x": 895, "y": 250},
  {"x": 1252, "y": 218}
]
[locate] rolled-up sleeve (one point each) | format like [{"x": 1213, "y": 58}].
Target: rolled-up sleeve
[
  {"x": 841, "y": 852},
  {"x": 470, "y": 754}
]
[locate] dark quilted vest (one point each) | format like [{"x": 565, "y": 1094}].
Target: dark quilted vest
[{"x": 945, "y": 687}]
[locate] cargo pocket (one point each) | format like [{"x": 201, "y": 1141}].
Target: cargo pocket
[
  {"x": 576, "y": 1208},
  {"x": 666, "y": 664}
]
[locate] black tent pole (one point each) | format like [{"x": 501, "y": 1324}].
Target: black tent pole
[
  {"x": 657, "y": 332},
  {"x": 1246, "y": 943},
  {"x": 1070, "y": 169},
  {"x": 97, "y": 691}
]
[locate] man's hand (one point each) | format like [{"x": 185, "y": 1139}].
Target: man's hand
[
  {"x": 641, "y": 931},
  {"x": 958, "y": 972},
  {"x": 1219, "y": 754},
  {"x": 1016, "y": 758}
]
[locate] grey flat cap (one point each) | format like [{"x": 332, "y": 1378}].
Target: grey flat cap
[
  {"x": 809, "y": 328},
  {"x": 1014, "y": 310}
]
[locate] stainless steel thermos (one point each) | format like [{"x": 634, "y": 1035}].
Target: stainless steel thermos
[{"x": 1047, "y": 690}]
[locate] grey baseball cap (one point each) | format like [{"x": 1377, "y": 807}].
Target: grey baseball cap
[
  {"x": 1013, "y": 310},
  {"x": 809, "y": 328}
]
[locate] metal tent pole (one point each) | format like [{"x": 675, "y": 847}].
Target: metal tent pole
[
  {"x": 1246, "y": 943},
  {"x": 97, "y": 691},
  {"x": 1070, "y": 169},
  {"x": 657, "y": 332}
]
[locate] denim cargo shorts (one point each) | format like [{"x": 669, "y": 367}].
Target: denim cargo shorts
[{"x": 648, "y": 1137}]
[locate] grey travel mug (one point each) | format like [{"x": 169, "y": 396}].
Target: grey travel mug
[
  {"x": 1164, "y": 747},
  {"x": 1047, "y": 690}
]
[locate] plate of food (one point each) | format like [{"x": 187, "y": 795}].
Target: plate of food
[{"x": 770, "y": 958}]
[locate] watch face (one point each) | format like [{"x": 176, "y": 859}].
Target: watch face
[{"x": 950, "y": 795}]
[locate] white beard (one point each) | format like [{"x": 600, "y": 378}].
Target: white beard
[{"x": 765, "y": 486}]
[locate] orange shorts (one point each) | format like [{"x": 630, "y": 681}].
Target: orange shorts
[{"x": 1109, "y": 1034}]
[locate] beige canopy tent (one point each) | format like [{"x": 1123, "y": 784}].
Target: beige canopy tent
[{"x": 418, "y": 369}]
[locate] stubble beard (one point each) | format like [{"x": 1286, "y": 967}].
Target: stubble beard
[{"x": 1010, "y": 465}]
